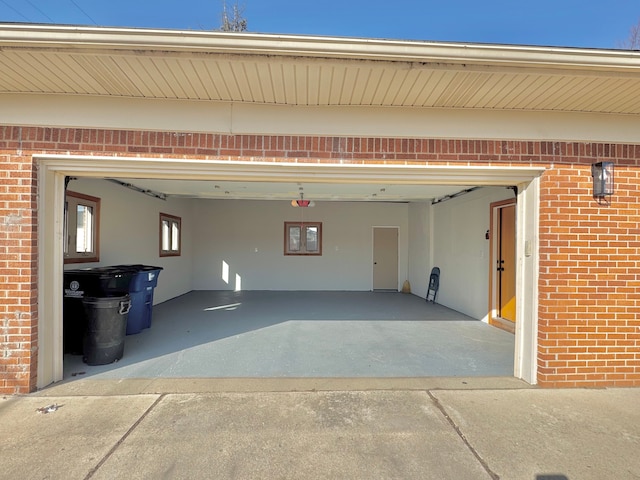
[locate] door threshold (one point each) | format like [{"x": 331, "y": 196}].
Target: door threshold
[{"x": 504, "y": 324}]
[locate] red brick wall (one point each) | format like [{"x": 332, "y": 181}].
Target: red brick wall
[
  {"x": 589, "y": 295},
  {"x": 589, "y": 287},
  {"x": 18, "y": 273}
]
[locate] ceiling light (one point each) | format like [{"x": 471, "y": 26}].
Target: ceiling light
[{"x": 301, "y": 202}]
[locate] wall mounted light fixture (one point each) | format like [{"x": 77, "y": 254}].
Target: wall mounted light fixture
[{"x": 602, "y": 173}]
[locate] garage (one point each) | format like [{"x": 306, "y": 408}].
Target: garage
[
  {"x": 438, "y": 151},
  {"x": 284, "y": 308}
]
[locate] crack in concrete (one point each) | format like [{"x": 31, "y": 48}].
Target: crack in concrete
[
  {"x": 93, "y": 471},
  {"x": 485, "y": 465}
]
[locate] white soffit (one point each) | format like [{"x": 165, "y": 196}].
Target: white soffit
[{"x": 314, "y": 71}]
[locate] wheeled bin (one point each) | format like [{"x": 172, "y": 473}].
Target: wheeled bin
[
  {"x": 141, "y": 291},
  {"x": 96, "y": 282},
  {"x": 104, "y": 335}
]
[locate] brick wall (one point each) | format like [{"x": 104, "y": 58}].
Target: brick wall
[
  {"x": 18, "y": 273},
  {"x": 589, "y": 302}
]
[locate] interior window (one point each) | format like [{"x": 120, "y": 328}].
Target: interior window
[
  {"x": 81, "y": 228},
  {"x": 170, "y": 228},
  {"x": 303, "y": 238}
]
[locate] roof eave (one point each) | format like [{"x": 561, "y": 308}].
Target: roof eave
[{"x": 186, "y": 41}]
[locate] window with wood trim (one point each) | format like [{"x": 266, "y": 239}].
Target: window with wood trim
[
  {"x": 81, "y": 228},
  {"x": 303, "y": 238},
  {"x": 170, "y": 235}
]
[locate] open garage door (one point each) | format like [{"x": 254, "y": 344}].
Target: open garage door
[{"x": 213, "y": 218}]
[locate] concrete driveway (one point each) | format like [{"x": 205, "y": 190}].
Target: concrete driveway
[{"x": 243, "y": 429}]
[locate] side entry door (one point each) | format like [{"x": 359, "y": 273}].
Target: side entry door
[{"x": 503, "y": 264}]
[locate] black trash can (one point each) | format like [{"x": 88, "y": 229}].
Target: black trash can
[
  {"x": 106, "y": 329},
  {"x": 88, "y": 282}
]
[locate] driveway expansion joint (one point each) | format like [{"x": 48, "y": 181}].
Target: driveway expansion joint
[
  {"x": 440, "y": 407},
  {"x": 93, "y": 471}
]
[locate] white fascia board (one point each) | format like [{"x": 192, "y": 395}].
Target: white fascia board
[{"x": 149, "y": 40}]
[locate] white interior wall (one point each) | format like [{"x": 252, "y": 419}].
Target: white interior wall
[
  {"x": 249, "y": 237},
  {"x": 461, "y": 250},
  {"x": 129, "y": 231},
  {"x": 419, "y": 243}
]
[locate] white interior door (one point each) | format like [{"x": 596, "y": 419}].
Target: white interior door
[{"x": 385, "y": 258}]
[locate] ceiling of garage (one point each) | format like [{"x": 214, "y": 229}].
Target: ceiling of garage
[{"x": 292, "y": 190}]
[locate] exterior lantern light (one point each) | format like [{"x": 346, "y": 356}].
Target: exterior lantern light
[{"x": 602, "y": 173}]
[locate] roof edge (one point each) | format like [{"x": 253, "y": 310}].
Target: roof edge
[{"x": 95, "y": 39}]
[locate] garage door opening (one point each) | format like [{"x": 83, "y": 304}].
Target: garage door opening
[{"x": 226, "y": 222}]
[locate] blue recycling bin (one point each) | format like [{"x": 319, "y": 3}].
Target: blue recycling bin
[{"x": 141, "y": 288}]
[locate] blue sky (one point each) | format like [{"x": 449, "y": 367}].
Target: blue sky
[{"x": 562, "y": 23}]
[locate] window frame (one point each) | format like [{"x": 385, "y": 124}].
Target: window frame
[
  {"x": 174, "y": 221},
  {"x": 303, "y": 247},
  {"x": 70, "y": 242}
]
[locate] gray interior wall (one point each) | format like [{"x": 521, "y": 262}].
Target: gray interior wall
[
  {"x": 129, "y": 233},
  {"x": 249, "y": 237},
  {"x": 461, "y": 250}
]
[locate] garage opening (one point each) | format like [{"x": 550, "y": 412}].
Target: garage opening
[{"x": 254, "y": 310}]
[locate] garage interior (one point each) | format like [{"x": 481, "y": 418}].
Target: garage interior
[{"x": 232, "y": 305}]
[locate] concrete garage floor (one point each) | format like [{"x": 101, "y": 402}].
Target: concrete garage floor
[{"x": 223, "y": 334}]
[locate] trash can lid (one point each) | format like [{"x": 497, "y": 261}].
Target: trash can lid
[
  {"x": 109, "y": 270},
  {"x": 140, "y": 267}
]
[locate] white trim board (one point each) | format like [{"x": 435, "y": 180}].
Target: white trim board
[{"x": 363, "y": 121}]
